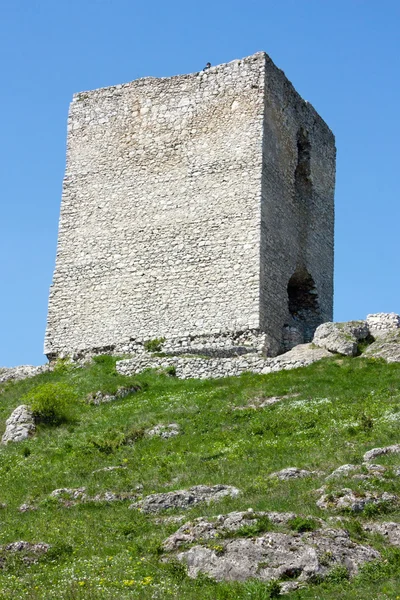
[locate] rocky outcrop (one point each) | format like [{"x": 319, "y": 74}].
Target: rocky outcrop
[
  {"x": 380, "y": 324},
  {"x": 71, "y": 496},
  {"x": 271, "y": 556},
  {"x": 375, "y": 452},
  {"x": 103, "y": 398},
  {"x": 29, "y": 552},
  {"x": 390, "y": 530},
  {"x": 184, "y": 499},
  {"x": 347, "y": 499},
  {"x": 293, "y": 473},
  {"x": 386, "y": 346},
  {"x": 19, "y": 426},
  {"x": 371, "y": 471},
  {"x": 341, "y": 338},
  {"x": 21, "y": 372},
  {"x": 164, "y": 431},
  {"x": 204, "y": 528}
]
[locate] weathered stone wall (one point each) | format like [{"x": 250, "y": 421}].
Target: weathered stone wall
[
  {"x": 297, "y": 212},
  {"x": 186, "y": 367},
  {"x": 181, "y": 213},
  {"x": 159, "y": 222}
]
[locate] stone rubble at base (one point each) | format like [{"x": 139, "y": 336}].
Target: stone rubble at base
[
  {"x": 329, "y": 339},
  {"x": 226, "y": 355}
]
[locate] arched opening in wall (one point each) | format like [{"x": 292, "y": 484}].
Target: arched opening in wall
[{"x": 304, "y": 311}]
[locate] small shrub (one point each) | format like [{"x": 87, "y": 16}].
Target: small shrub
[
  {"x": 366, "y": 423},
  {"x": 259, "y": 526},
  {"x": 57, "y": 551},
  {"x": 50, "y": 402},
  {"x": 376, "y": 508},
  {"x": 110, "y": 441},
  {"x": 355, "y": 530},
  {"x": 274, "y": 589},
  {"x": 63, "y": 365},
  {"x": 176, "y": 570},
  {"x": 171, "y": 371},
  {"x": 133, "y": 434},
  {"x": 302, "y": 524},
  {"x": 26, "y": 451},
  {"x": 154, "y": 345}
]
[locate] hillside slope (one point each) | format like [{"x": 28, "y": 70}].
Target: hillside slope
[{"x": 229, "y": 432}]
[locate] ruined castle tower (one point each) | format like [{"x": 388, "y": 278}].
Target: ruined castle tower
[{"x": 195, "y": 207}]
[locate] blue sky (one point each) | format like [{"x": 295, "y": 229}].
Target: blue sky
[{"x": 341, "y": 55}]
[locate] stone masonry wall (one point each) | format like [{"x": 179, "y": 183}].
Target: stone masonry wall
[
  {"x": 297, "y": 209},
  {"x": 189, "y": 204},
  {"x": 159, "y": 224}
]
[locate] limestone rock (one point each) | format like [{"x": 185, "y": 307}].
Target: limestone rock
[
  {"x": 298, "y": 557},
  {"x": 388, "y": 529},
  {"x": 102, "y": 398},
  {"x": 292, "y": 473},
  {"x": 72, "y": 496},
  {"x": 341, "y": 338},
  {"x": 380, "y": 324},
  {"x": 386, "y": 346},
  {"x": 19, "y": 426},
  {"x": 375, "y": 452},
  {"x": 21, "y": 372},
  {"x": 204, "y": 528},
  {"x": 111, "y": 468},
  {"x": 164, "y": 431},
  {"x": 374, "y": 471},
  {"x": 185, "y": 498},
  {"x": 26, "y": 507},
  {"x": 69, "y": 493},
  {"x": 343, "y": 471},
  {"x": 347, "y": 499},
  {"x": 29, "y": 551},
  {"x": 300, "y": 356}
]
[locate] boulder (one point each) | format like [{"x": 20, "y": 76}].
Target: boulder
[
  {"x": 343, "y": 471},
  {"x": 386, "y": 346},
  {"x": 29, "y": 552},
  {"x": 375, "y": 452},
  {"x": 274, "y": 555},
  {"x": 206, "y": 528},
  {"x": 110, "y": 468},
  {"x": 347, "y": 499},
  {"x": 164, "y": 431},
  {"x": 341, "y": 338},
  {"x": 71, "y": 496},
  {"x": 103, "y": 398},
  {"x": 380, "y": 324},
  {"x": 21, "y": 372},
  {"x": 373, "y": 471},
  {"x": 300, "y": 356},
  {"x": 19, "y": 426},
  {"x": 293, "y": 473},
  {"x": 184, "y": 499},
  {"x": 390, "y": 530}
]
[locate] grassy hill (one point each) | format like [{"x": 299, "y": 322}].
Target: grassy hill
[{"x": 333, "y": 412}]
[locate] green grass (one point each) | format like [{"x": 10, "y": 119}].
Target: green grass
[{"x": 344, "y": 407}]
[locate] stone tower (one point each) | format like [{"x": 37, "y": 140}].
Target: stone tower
[{"x": 198, "y": 208}]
